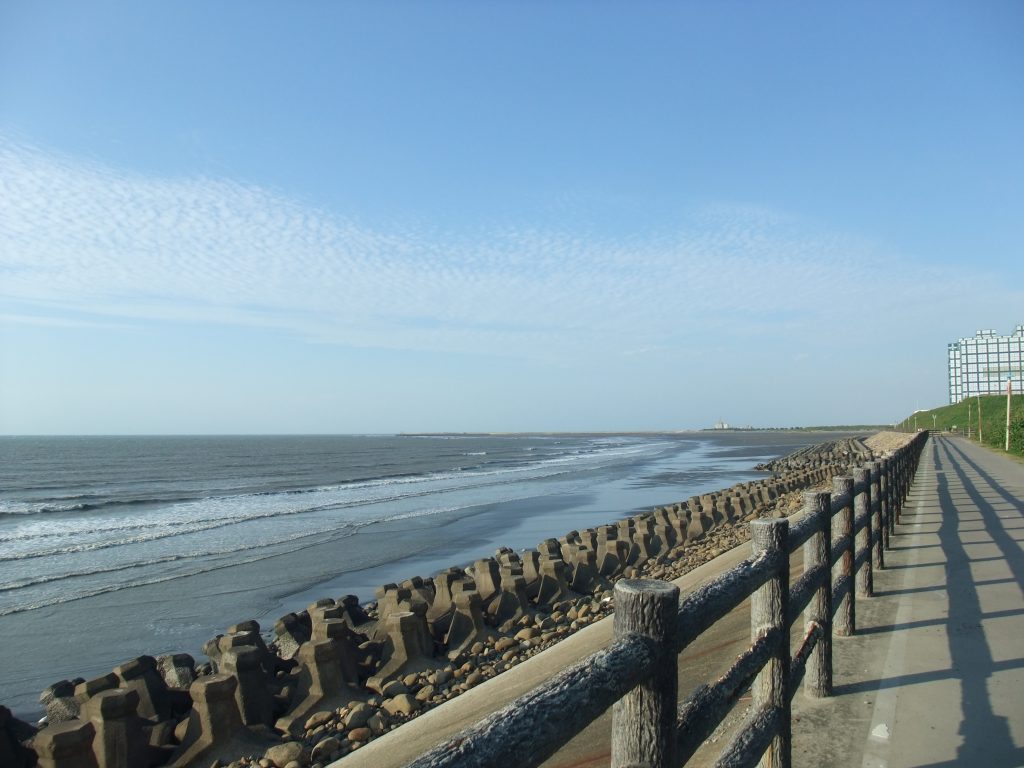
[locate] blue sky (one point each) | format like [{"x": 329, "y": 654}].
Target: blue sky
[{"x": 376, "y": 217}]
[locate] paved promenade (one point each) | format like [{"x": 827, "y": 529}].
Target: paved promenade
[{"x": 935, "y": 676}]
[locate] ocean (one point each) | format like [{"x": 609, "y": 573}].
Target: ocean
[{"x": 111, "y": 547}]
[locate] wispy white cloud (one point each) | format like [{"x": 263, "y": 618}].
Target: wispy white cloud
[
  {"x": 57, "y": 322},
  {"x": 97, "y": 242}
]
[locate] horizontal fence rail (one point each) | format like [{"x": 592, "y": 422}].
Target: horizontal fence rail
[{"x": 842, "y": 534}]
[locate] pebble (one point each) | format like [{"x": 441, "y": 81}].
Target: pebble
[
  {"x": 318, "y": 719},
  {"x": 280, "y": 755},
  {"x": 377, "y": 724},
  {"x": 411, "y": 680},
  {"x": 505, "y": 643},
  {"x": 426, "y": 693},
  {"x": 392, "y": 689},
  {"x": 358, "y": 715},
  {"x": 359, "y": 734},
  {"x": 325, "y": 749},
  {"x": 402, "y": 704}
]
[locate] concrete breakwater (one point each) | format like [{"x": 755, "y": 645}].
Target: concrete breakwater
[{"x": 331, "y": 678}]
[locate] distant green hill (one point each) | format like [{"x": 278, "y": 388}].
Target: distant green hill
[{"x": 962, "y": 417}]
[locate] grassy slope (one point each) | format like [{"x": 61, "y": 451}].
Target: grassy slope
[{"x": 955, "y": 417}]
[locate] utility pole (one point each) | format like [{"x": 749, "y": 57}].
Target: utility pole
[
  {"x": 933, "y": 423},
  {"x": 1009, "y": 392},
  {"x": 979, "y": 419},
  {"x": 968, "y": 419}
]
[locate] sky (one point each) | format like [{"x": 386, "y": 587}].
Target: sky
[{"x": 321, "y": 217}]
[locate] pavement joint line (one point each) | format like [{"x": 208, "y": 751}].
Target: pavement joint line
[{"x": 883, "y": 716}]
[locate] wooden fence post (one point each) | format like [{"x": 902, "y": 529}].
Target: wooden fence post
[
  {"x": 862, "y": 525},
  {"x": 903, "y": 482},
  {"x": 895, "y": 478},
  {"x": 846, "y": 612},
  {"x": 891, "y": 493},
  {"x": 644, "y": 720},
  {"x": 883, "y": 504},
  {"x": 910, "y": 454},
  {"x": 877, "y": 524},
  {"x": 769, "y": 606},
  {"x": 819, "y": 609}
]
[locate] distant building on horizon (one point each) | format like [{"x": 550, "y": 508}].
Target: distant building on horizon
[
  {"x": 721, "y": 424},
  {"x": 981, "y": 365}
]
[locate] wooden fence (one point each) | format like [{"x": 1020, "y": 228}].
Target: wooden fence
[{"x": 844, "y": 535}]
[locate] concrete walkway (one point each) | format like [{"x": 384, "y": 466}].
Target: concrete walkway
[{"x": 935, "y": 675}]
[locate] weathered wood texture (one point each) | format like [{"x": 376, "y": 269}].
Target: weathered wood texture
[
  {"x": 862, "y": 559},
  {"x": 801, "y": 530},
  {"x": 845, "y": 617},
  {"x": 706, "y": 605},
  {"x": 844, "y": 620},
  {"x": 798, "y": 667},
  {"x": 862, "y": 523},
  {"x": 898, "y": 462},
  {"x": 552, "y": 713},
  {"x": 819, "y": 608},
  {"x": 709, "y": 704},
  {"x": 894, "y": 493},
  {"x": 876, "y": 516},
  {"x": 840, "y": 547},
  {"x": 883, "y": 512},
  {"x": 803, "y": 589},
  {"x": 842, "y": 591},
  {"x": 643, "y": 721},
  {"x": 885, "y": 493},
  {"x": 768, "y": 610},
  {"x": 753, "y": 741},
  {"x": 841, "y": 495}
]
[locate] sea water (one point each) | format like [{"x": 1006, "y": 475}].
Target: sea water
[{"x": 111, "y": 547}]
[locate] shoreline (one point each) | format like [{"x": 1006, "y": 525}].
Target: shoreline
[
  {"x": 563, "y": 613},
  {"x": 182, "y": 614}
]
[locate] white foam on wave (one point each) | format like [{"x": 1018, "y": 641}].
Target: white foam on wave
[
  {"x": 43, "y": 559},
  {"x": 68, "y": 592},
  {"x": 217, "y": 511}
]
